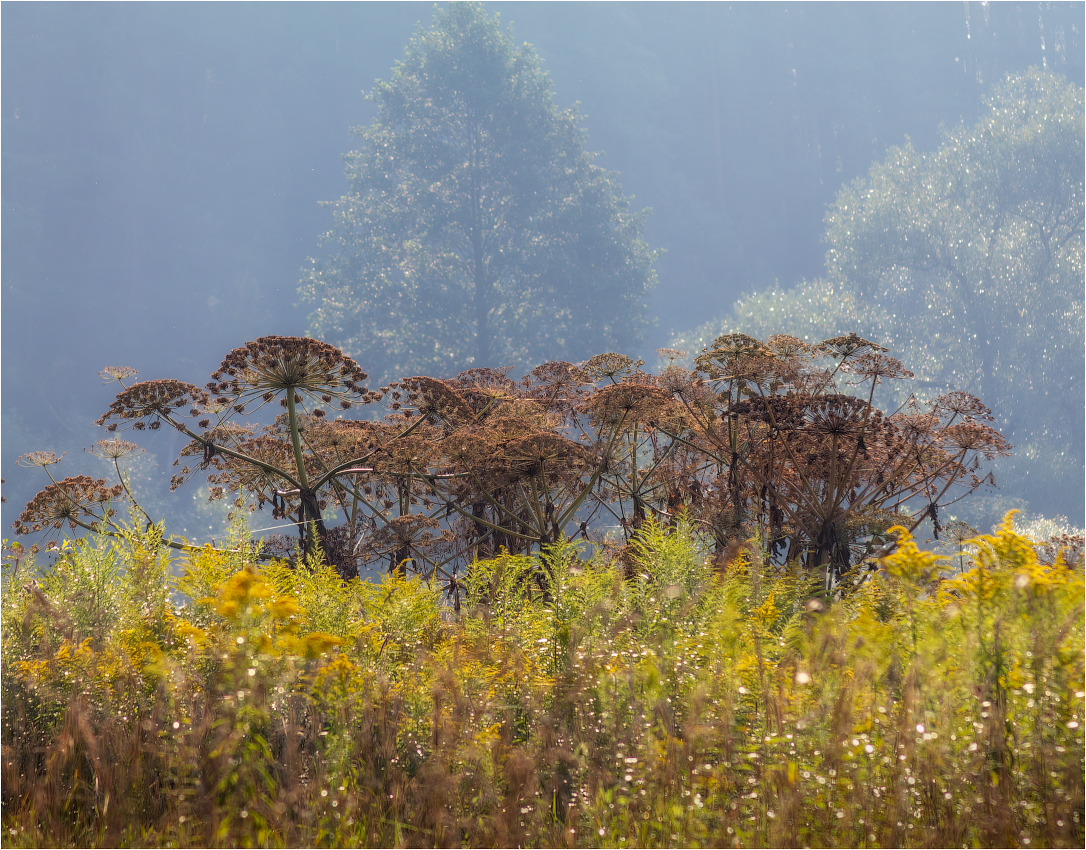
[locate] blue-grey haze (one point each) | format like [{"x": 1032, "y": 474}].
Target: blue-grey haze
[{"x": 163, "y": 162}]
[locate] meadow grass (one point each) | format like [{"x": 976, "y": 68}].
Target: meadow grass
[{"x": 570, "y": 702}]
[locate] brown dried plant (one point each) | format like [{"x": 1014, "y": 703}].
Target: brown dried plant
[
  {"x": 641, "y": 460},
  {"x": 269, "y": 461},
  {"x": 77, "y": 501},
  {"x": 777, "y": 439},
  {"x": 149, "y": 403},
  {"x": 803, "y": 458}
]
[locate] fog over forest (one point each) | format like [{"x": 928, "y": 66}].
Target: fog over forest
[{"x": 164, "y": 166}]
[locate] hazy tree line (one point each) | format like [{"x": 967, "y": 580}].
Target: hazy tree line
[{"x": 163, "y": 164}]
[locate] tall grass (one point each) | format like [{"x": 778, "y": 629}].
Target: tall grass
[{"x": 570, "y": 703}]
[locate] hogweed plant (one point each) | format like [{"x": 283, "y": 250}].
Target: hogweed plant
[
  {"x": 803, "y": 458},
  {"x": 776, "y": 441}
]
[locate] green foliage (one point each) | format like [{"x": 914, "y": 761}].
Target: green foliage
[
  {"x": 979, "y": 247},
  {"x": 569, "y": 703},
  {"x": 476, "y": 231}
]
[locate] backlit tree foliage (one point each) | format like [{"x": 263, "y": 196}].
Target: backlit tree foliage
[
  {"x": 476, "y": 231},
  {"x": 983, "y": 237}
]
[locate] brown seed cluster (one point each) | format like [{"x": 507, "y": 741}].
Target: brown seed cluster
[
  {"x": 113, "y": 449},
  {"x": 68, "y": 501},
  {"x": 285, "y": 364},
  {"x": 847, "y": 346},
  {"x": 42, "y": 459},
  {"x": 434, "y": 400},
  {"x": 556, "y": 380},
  {"x": 629, "y": 403},
  {"x": 149, "y": 403},
  {"x": 610, "y": 366},
  {"x": 117, "y": 373}
]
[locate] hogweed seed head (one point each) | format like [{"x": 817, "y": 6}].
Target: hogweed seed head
[
  {"x": 144, "y": 403},
  {"x": 65, "y": 501},
  {"x": 672, "y": 354},
  {"x": 272, "y": 365},
  {"x": 610, "y": 365},
  {"x": 113, "y": 449},
  {"x": 42, "y": 459},
  {"x": 117, "y": 373},
  {"x": 846, "y": 346}
]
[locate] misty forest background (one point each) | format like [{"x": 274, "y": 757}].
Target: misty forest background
[{"x": 164, "y": 166}]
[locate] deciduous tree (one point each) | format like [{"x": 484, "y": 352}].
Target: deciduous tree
[{"x": 476, "y": 231}]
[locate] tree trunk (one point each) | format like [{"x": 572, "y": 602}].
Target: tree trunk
[
  {"x": 483, "y": 288},
  {"x": 482, "y": 306}
]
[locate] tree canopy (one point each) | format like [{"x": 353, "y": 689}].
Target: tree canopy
[
  {"x": 983, "y": 238},
  {"x": 476, "y": 231}
]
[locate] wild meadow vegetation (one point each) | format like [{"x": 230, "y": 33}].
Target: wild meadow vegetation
[
  {"x": 664, "y": 701},
  {"x": 613, "y": 608}
]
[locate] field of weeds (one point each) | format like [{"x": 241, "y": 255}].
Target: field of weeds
[{"x": 661, "y": 702}]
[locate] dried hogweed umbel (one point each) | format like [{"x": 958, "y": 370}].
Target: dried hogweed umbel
[{"x": 70, "y": 500}]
